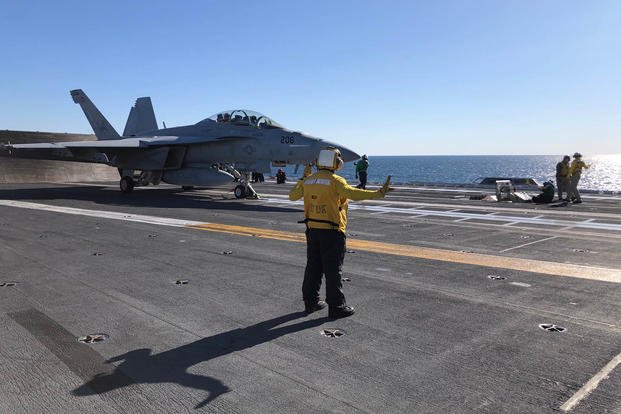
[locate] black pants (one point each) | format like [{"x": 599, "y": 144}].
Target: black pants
[
  {"x": 363, "y": 180},
  {"x": 325, "y": 251}
]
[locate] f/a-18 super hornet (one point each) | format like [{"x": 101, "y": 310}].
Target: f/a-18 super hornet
[{"x": 217, "y": 151}]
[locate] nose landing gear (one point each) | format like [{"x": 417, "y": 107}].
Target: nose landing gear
[
  {"x": 240, "y": 191},
  {"x": 244, "y": 189}
]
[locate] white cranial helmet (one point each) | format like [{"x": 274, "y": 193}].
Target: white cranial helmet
[{"x": 330, "y": 158}]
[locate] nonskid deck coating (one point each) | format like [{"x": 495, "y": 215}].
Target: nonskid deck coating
[{"x": 448, "y": 329}]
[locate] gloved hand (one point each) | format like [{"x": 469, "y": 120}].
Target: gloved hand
[
  {"x": 386, "y": 187},
  {"x": 307, "y": 171}
]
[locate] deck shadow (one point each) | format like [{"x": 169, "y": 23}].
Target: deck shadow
[
  {"x": 168, "y": 198},
  {"x": 140, "y": 366}
]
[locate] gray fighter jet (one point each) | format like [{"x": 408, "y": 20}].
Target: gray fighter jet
[{"x": 220, "y": 150}]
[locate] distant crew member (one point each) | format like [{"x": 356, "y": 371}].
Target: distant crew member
[
  {"x": 361, "y": 171},
  {"x": 575, "y": 170},
  {"x": 562, "y": 177},
  {"x": 325, "y": 209},
  {"x": 281, "y": 177},
  {"x": 547, "y": 194}
]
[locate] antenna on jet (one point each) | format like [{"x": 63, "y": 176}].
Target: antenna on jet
[{"x": 164, "y": 123}]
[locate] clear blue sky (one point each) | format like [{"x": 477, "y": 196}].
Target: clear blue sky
[{"x": 381, "y": 77}]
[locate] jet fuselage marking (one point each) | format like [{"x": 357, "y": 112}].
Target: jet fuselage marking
[{"x": 476, "y": 259}]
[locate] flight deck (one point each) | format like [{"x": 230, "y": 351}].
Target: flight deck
[{"x": 166, "y": 300}]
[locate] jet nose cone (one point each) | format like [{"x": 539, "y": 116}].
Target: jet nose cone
[{"x": 346, "y": 153}]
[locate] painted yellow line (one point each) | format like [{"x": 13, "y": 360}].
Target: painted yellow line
[
  {"x": 251, "y": 231},
  {"x": 476, "y": 259}
]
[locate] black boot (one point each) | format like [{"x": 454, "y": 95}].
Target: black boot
[
  {"x": 340, "y": 312},
  {"x": 312, "y": 307}
]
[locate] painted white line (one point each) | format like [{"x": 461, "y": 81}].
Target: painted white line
[
  {"x": 528, "y": 244},
  {"x": 489, "y": 207},
  {"x": 461, "y": 216},
  {"x": 162, "y": 221},
  {"x": 551, "y": 268},
  {"x": 587, "y": 388},
  {"x": 520, "y": 284},
  {"x": 90, "y": 184}
]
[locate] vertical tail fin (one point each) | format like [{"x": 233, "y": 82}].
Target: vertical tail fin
[
  {"x": 141, "y": 118},
  {"x": 102, "y": 128}
]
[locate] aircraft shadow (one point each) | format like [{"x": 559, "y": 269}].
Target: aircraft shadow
[
  {"x": 140, "y": 366},
  {"x": 152, "y": 197}
]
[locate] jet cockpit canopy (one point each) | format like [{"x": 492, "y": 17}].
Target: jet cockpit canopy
[{"x": 244, "y": 117}]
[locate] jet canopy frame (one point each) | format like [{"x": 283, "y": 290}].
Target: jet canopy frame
[{"x": 244, "y": 117}]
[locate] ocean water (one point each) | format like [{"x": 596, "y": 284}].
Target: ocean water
[{"x": 603, "y": 175}]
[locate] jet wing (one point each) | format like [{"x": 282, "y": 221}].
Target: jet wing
[
  {"x": 144, "y": 142},
  {"x": 112, "y": 143},
  {"x": 143, "y": 153}
]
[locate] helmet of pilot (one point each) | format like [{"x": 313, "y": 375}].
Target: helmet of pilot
[
  {"x": 577, "y": 155},
  {"x": 330, "y": 159},
  {"x": 364, "y": 157}
]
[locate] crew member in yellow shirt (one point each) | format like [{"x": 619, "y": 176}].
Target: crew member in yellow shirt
[
  {"x": 325, "y": 210},
  {"x": 575, "y": 170}
]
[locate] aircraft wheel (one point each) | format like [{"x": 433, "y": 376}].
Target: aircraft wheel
[
  {"x": 187, "y": 187},
  {"x": 240, "y": 191},
  {"x": 127, "y": 184}
]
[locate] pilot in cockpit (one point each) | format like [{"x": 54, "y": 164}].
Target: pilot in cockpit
[
  {"x": 220, "y": 118},
  {"x": 226, "y": 117}
]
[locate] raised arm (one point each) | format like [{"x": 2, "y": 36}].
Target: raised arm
[
  {"x": 356, "y": 194},
  {"x": 297, "y": 191}
]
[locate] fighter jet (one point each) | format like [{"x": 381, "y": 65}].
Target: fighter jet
[{"x": 217, "y": 151}]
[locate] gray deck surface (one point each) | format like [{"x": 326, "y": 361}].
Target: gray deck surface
[{"x": 429, "y": 336}]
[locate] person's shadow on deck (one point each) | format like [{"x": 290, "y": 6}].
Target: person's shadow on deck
[{"x": 140, "y": 366}]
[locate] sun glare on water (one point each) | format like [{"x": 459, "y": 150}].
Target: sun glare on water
[{"x": 604, "y": 172}]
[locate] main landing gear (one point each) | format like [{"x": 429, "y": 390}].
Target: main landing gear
[
  {"x": 130, "y": 180},
  {"x": 127, "y": 184}
]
